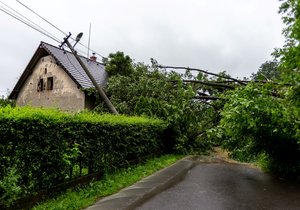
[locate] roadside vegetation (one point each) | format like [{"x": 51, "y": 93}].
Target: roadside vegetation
[
  {"x": 162, "y": 112},
  {"x": 111, "y": 183},
  {"x": 42, "y": 148},
  {"x": 5, "y": 102},
  {"x": 260, "y": 121}
]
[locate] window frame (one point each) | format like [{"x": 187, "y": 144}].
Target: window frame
[
  {"x": 50, "y": 83},
  {"x": 40, "y": 86}
]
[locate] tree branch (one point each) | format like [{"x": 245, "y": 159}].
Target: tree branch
[
  {"x": 199, "y": 134},
  {"x": 202, "y": 94},
  {"x": 207, "y": 97},
  {"x": 210, "y": 84},
  {"x": 203, "y": 71},
  {"x": 255, "y": 81},
  {"x": 210, "y": 104}
]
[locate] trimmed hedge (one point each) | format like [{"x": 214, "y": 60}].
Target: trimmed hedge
[{"x": 41, "y": 148}]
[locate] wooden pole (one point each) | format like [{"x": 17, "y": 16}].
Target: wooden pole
[{"x": 106, "y": 100}]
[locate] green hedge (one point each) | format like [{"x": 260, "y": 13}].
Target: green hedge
[{"x": 40, "y": 148}]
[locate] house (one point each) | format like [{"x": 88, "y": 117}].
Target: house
[{"x": 54, "y": 78}]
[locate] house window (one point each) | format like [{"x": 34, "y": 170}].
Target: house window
[
  {"x": 40, "y": 86},
  {"x": 50, "y": 83}
]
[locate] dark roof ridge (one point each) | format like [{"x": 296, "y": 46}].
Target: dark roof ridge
[
  {"x": 68, "y": 63},
  {"x": 69, "y": 51}
]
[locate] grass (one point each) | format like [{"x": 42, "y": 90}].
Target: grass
[{"x": 110, "y": 184}]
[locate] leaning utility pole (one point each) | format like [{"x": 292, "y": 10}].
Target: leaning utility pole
[{"x": 110, "y": 106}]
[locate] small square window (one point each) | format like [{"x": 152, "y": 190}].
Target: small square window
[{"x": 50, "y": 83}]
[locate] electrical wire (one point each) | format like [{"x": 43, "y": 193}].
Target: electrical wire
[
  {"x": 56, "y": 27},
  {"x": 41, "y": 17},
  {"x": 21, "y": 18},
  {"x": 18, "y": 16},
  {"x": 30, "y": 21},
  {"x": 26, "y": 23},
  {"x": 79, "y": 52},
  {"x": 91, "y": 50}
]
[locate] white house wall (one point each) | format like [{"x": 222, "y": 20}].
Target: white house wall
[{"x": 65, "y": 94}]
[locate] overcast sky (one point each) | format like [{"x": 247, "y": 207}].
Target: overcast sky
[{"x": 216, "y": 35}]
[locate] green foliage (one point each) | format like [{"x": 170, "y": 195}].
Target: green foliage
[
  {"x": 6, "y": 102},
  {"x": 45, "y": 145},
  {"x": 256, "y": 122},
  {"x": 118, "y": 64},
  {"x": 213, "y": 90},
  {"x": 9, "y": 187},
  {"x": 267, "y": 71},
  {"x": 261, "y": 121},
  {"x": 111, "y": 183},
  {"x": 290, "y": 53},
  {"x": 150, "y": 92}
]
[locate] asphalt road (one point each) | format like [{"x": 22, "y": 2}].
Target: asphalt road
[{"x": 223, "y": 186}]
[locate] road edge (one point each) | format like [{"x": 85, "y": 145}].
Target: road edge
[{"x": 133, "y": 196}]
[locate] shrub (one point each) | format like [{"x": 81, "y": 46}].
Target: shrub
[
  {"x": 46, "y": 146},
  {"x": 9, "y": 187},
  {"x": 255, "y": 122},
  {"x": 6, "y": 102}
]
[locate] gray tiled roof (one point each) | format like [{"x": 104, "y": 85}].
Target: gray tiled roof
[{"x": 72, "y": 67}]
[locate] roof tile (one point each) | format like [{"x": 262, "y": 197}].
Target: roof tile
[{"x": 69, "y": 63}]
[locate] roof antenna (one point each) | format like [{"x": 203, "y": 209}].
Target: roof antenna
[{"x": 88, "y": 52}]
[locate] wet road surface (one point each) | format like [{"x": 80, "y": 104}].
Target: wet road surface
[{"x": 223, "y": 186}]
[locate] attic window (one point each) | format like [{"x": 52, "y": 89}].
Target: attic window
[
  {"x": 50, "y": 83},
  {"x": 40, "y": 86}
]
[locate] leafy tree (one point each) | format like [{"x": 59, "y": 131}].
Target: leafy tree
[
  {"x": 140, "y": 89},
  {"x": 264, "y": 118},
  {"x": 160, "y": 94},
  {"x": 257, "y": 122},
  {"x": 290, "y": 53},
  {"x": 267, "y": 71},
  {"x": 4, "y": 101},
  {"x": 118, "y": 63}
]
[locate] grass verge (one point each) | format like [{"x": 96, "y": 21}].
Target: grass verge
[{"x": 110, "y": 184}]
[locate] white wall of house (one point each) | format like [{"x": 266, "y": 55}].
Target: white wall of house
[{"x": 61, "y": 93}]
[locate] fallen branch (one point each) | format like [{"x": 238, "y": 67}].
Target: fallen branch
[
  {"x": 255, "y": 81},
  {"x": 207, "y": 97},
  {"x": 210, "y": 84},
  {"x": 203, "y": 71},
  {"x": 202, "y": 94},
  {"x": 210, "y": 104},
  {"x": 200, "y": 133}
]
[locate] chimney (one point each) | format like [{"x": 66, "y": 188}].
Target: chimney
[{"x": 93, "y": 57}]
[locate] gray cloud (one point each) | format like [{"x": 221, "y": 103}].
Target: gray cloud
[{"x": 233, "y": 35}]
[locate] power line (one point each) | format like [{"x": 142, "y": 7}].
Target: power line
[
  {"x": 26, "y": 23},
  {"x": 91, "y": 50},
  {"x": 30, "y": 21},
  {"x": 41, "y": 17},
  {"x": 18, "y": 16},
  {"x": 55, "y": 26}
]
